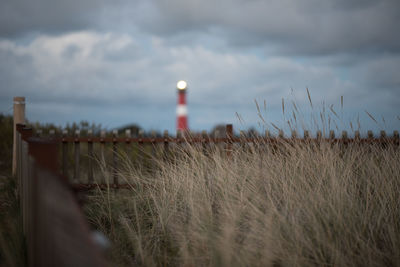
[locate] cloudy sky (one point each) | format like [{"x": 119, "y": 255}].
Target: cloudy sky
[{"x": 117, "y": 62}]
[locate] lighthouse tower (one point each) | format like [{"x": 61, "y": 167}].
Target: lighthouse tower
[{"x": 181, "y": 109}]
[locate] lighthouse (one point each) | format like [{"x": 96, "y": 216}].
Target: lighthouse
[{"x": 181, "y": 109}]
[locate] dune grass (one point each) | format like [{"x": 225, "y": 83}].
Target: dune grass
[
  {"x": 296, "y": 205},
  {"x": 12, "y": 241}
]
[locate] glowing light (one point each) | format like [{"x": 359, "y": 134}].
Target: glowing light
[{"x": 181, "y": 85}]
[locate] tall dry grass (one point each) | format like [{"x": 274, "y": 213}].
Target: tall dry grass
[
  {"x": 12, "y": 241},
  {"x": 296, "y": 205}
]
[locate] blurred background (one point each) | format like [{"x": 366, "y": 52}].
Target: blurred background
[{"x": 116, "y": 63}]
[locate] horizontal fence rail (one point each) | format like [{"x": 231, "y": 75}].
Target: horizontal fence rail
[
  {"x": 56, "y": 231},
  {"x": 221, "y": 140},
  {"x": 81, "y": 153}
]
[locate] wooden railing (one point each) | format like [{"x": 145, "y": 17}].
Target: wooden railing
[
  {"x": 79, "y": 152},
  {"x": 56, "y": 231}
]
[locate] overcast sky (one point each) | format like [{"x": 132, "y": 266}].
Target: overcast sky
[{"x": 117, "y": 62}]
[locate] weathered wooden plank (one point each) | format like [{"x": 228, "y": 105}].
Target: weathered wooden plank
[
  {"x": 62, "y": 236},
  {"x": 77, "y": 153},
  {"x": 90, "y": 157},
  {"x": 65, "y": 155}
]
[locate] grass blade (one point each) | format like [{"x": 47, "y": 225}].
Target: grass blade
[
  {"x": 309, "y": 97},
  {"x": 333, "y": 111},
  {"x": 341, "y": 101},
  {"x": 372, "y": 117}
]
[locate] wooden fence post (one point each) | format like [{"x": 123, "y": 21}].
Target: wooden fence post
[
  {"x": 345, "y": 138},
  {"x": 19, "y": 117},
  {"x": 23, "y": 135},
  {"x": 153, "y": 149},
  {"x": 166, "y": 147},
  {"x": 204, "y": 140},
  {"x": 281, "y": 134},
  {"x": 357, "y": 136},
  {"x": 141, "y": 156},
  {"x": 306, "y": 135},
  {"x": 179, "y": 135},
  {"x": 344, "y": 135},
  {"x": 77, "y": 151},
  {"x": 114, "y": 157},
  {"x": 319, "y": 136},
  {"x": 229, "y": 135},
  {"x": 65, "y": 154},
  {"x": 243, "y": 141},
  {"x": 331, "y": 134},
  {"x": 102, "y": 151},
  {"x": 383, "y": 134},
  {"x": 370, "y": 134},
  {"x": 396, "y": 137},
  {"x": 128, "y": 149},
  {"x": 90, "y": 156},
  {"x": 103, "y": 144}
]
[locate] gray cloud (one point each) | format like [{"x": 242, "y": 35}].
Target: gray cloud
[
  {"x": 380, "y": 78},
  {"x": 18, "y": 17},
  {"x": 309, "y": 27},
  {"x": 298, "y": 27},
  {"x": 88, "y": 72}
]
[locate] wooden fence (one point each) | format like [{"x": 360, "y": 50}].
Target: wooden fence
[
  {"x": 77, "y": 150},
  {"x": 47, "y": 168},
  {"x": 56, "y": 231}
]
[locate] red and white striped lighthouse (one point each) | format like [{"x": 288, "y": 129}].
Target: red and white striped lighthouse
[{"x": 181, "y": 109}]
